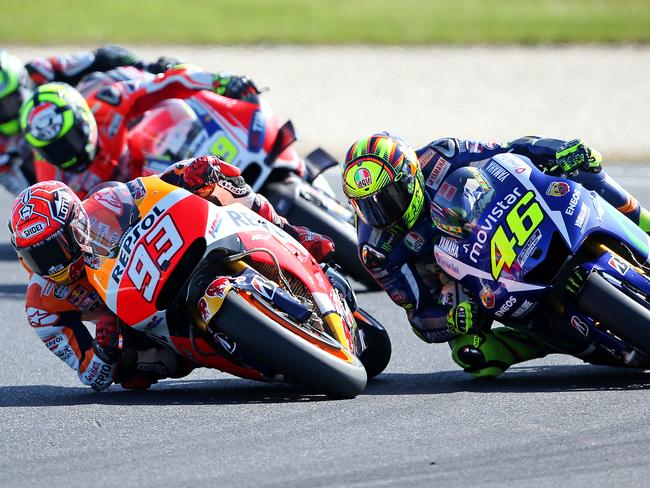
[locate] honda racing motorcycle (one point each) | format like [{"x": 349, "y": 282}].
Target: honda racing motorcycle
[
  {"x": 545, "y": 255},
  {"x": 247, "y": 134},
  {"x": 226, "y": 289}
]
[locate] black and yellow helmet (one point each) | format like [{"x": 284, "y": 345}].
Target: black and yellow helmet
[
  {"x": 383, "y": 180},
  {"x": 58, "y": 124}
]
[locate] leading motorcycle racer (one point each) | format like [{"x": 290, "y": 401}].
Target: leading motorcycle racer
[
  {"x": 17, "y": 81},
  {"x": 59, "y": 296},
  {"x": 392, "y": 189}
]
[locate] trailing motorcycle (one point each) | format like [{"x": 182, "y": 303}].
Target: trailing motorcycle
[
  {"x": 226, "y": 289},
  {"x": 546, "y": 255},
  {"x": 247, "y": 134}
]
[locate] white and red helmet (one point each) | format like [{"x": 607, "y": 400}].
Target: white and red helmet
[{"x": 41, "y": 230}]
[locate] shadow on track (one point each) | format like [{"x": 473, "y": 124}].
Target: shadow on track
[
  {"x": 167, "y": 392},
  {"x": 519, "y": 379},
  {"x": 522, "y": 379}
]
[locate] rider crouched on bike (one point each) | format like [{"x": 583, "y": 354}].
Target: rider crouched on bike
[
  {"x": 83, "y": 142},
  {"x": 60, "y": 297},
  {"x": 392, "y": 188},
  {"x": 17, "y": 82}
]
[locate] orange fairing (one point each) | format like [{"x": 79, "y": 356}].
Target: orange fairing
[
  {"x": 140, "y": 231},
  {"x": 149, "y": 249}
]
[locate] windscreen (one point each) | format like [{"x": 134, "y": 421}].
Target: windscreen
[
  {"x": 111, "y": 211},
  {"x": 460, "y": 200}
]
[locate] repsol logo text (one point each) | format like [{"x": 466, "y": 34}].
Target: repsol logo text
[{"x": 130, "y": 238}]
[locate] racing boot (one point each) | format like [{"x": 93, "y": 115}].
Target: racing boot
[
  {"x": 150, "y": 365},
  {"x": 489, "y": 354}
]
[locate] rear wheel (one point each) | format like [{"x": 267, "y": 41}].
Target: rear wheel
[
  {"x": 286, "y": 352},
  {"x": 619, "y": 313}
]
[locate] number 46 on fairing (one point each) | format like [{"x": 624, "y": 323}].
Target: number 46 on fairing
[{"x": 521, "y": 221}]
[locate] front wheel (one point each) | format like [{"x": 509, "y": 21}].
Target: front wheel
[
  {"x": 286, "y": 352},
  {"x": 624, "y": 316}
]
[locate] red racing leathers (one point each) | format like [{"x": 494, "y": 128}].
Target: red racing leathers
[
  {"x": 16, "y": 165},
  {"x": 114, "y": 107}
]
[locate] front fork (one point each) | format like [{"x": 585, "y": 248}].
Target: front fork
[{"x": 618, "y": 271}]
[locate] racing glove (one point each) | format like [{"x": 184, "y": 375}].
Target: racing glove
[
  {"x": 232, "y": 86},
  {"x": 574, "y": 155},
  {"x": 319, "y": 246},
  {"x": 161, "y": 65},
  {"x": 462, "y": 318},
  {"x": 201, "y": 175}
]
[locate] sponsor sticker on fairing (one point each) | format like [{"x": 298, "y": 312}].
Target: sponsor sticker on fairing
[
  {"x": 497, "y": 171},
  {"x": 426, "y": 158},
  {"x": 487, "y": 297},
  {"x": 581, "y": 219},
  {"x": 507, "y": 305},
  {"x": 558, "y": 189},
  {"x": 618, "y": 264},
  {"x": 573, "y": 203},
  {"x": 578, "y": 324},
  {"x": 523, "y": 309},
  {"x": 529, "y": 247},
  {"x": 218, "y": 287}
]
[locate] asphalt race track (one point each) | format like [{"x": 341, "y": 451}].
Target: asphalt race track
[{"x": 423, "y": 422}]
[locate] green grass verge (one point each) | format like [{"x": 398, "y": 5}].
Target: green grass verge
[{"x": 392, "y": 22}]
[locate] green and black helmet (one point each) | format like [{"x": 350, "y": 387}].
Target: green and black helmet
[
  {"x": 383, "y": 180},
  {"x": 57, "y": 123},
  {"x": 14, "y": 87}
]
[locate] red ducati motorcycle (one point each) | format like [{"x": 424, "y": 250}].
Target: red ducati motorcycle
[{"x": 248, "y": 135}]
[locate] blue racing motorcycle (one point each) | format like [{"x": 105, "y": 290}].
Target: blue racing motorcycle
[{"x": 547, "y": 256}]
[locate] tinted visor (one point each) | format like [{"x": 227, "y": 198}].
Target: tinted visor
[
  {"x": 10, "y": 105},
  {"x": 68, "y": 152},
  {"x": 385, "y": 207},
  {"x": 52, "y": 255}
]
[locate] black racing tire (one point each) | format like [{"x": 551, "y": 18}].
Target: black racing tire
[
  {"x": 376, "y": 356},
  {"x": 344, "y": 235},
  {"x": 622, "y": 315},
  {"x": 287, "y": 352}
]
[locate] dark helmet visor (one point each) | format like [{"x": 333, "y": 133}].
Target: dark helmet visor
[
  {"x": 51, "y": 255},
  {"x": 68, "y": 152},
  {"x": 386, "y": 207}
]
